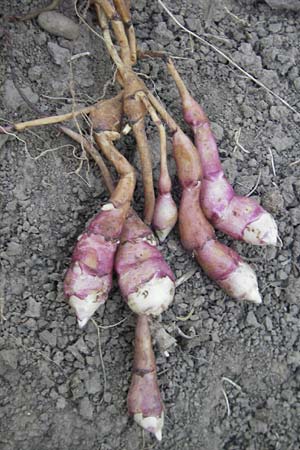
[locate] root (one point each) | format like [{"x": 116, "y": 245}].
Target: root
[{"x": 229, "y": 59}]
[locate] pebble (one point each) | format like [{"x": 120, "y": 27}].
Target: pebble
[
  {"x": 48, "y": 338},
  {"x": 86, "y": 408},
  {"x": 268, "y": 323},
  {"x": 297, "y": 83},
  {"x": 59, "y": 25},
  {"x": 59, "y": 54},
  {"x": 162, "y": 34},
  {"x": 14, "y": 249},
  {"x": 12, "y": 98},
  {"x": 273, "y": 201},
  {"x": 33, "y": 308},
  {"x": 93, "y": 385},
  {"x": 251, "y": 319},
  {"x": 218, "y": 131},
  {"x": 282, "y": 142},
  {"x": 295, "y": 215},
  {"x": 61, "y": 403},
  {"x": 293, "y": 5},
  {"x": 3, "y": 139},
  {"x": 9, "y": 358},
  {"x": 35, "y": 72}
]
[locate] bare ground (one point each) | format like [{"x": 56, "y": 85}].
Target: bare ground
[{"x": 52, "y": 385}]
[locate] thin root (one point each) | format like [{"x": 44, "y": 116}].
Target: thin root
[{"x": 101, "y": 359}]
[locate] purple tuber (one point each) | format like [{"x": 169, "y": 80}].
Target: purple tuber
[
  {"x": 239, "y": 217},
  {"x": 145, "y": 279},
  {"x": 144, "y": 400}
]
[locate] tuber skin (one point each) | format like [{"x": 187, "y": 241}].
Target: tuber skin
[
  {"x": 165, "y": 211},
  {"x": 240, "y": 217},
  {"x": 89, "y": 278},
  {"x": 145, "y": 279},
  {"x": 144, "y": 399},
  {"x": 221, "y": 263}
]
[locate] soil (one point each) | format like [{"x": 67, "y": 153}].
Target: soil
[{"x": 52, "y": 384}]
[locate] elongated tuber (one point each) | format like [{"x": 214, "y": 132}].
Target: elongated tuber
[
  {"x": 165, "y": 211},
  {"x": 240, "y": 217},
  {"x": 221, "y": 263},
  {"x": 144, "y": 400},
  {"x": 89, "y": 278}
]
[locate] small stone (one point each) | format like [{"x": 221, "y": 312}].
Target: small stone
[
  {"x": 294, "y": 358},
  {"x": 278, "y": 112},
  {"x": 86, "y": 408},
  {"x": 59, "y": 25},
  {"x": 282, "y": 142},
  {"x": 273, "y": 201},
  {"x": 292, "y": 291},
  {"x": 59, "y": 54},
  {"x": 33, "y": 308},
  {"x": 3, "y": 139},
  {"x": 9, "y": 358},
  {"x": 217, "y": 131},
  {"x": 93, "y": 384},
  {"x": 297, "y": 83},
  {"x": 268, "y": 323},
  {"x": 295, "y": 215},
  {"x": 293, "y": 5},
  {"x": 34, "y": 73},
  {"x": 14, "y": 249},
  {"x": 61, "y": 403},
  {"x": 251, "y": 319},
  {"x": 193, "y": 24},
  {"x": 162, "y": 34},
  {"x": 48, "y": 338},
  {"x": 247, "y": 111},
  {"x": 12, "y": 98},
  {"x": 275, "y": 27}
]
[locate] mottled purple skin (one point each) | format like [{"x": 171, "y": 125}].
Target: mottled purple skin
[
  {"x": 194, "y": 228},
  {"x": 165, "y": 212},
  {"x": 197, "y": 235},
  {"x": 137, "y": 261},
  {"x": 226, "y": 211},
  {"x": 135, "y": 228},
  {"x": 93, "y": 256},
  {"x": 144, "y": 395},
  {"x": 217, "y": 260}
]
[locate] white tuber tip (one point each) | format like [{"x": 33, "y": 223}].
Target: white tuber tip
[
  {"x": 262, "y": 231},
  {"x": 242, "y": 284},
  {"x": 153, "y": 297},
  {"x": 152, "y": 424},
  {"x": 85, "y": 308},
  {"x": 108, "y": 207},
  {"x": 162, "y": 234}
]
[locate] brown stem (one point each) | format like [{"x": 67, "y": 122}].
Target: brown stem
[
  {"x": 107, "y": 39},
  {"x": 91, "y": 150},
  {"x": 125, "y": 188},
  {"x": 118, "y": 28},
  {"x": 138, "y": 129},
  {"x": 52, "y": 119},
  {"x": 165, "y": 180},
  {"x": 123, "y": 9}
]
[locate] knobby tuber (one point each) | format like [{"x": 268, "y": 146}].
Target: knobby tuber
[
  {"x": 221, "y": 263},
  {"x": 240, "y": 217},
  {"x": 145, "y": 279}
]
